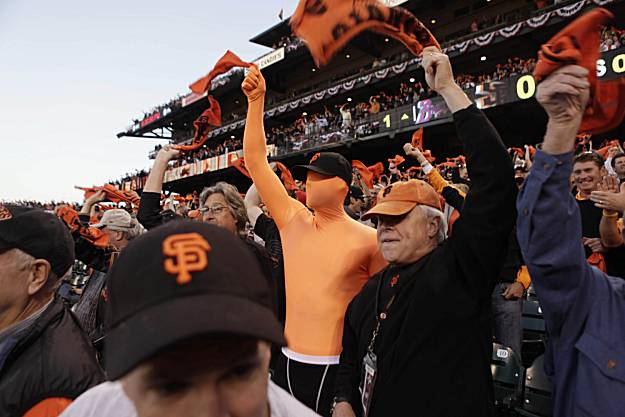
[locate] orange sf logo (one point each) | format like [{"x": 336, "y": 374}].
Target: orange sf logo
[
  {"x": 315, "y": 157},
  {"x": 189, "y": 252}
]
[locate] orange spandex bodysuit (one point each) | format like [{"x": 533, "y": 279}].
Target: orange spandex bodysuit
[{"x": 328, "y": 257}]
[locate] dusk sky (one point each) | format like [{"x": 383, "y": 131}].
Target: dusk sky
[{"x": 74, "y": 73}]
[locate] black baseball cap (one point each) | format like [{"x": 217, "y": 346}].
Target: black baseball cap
[
  {"x": 356, "y": 192},
  {"x": 38, "y": 233},
  {"x": 178, "y": 281},
  {"x": 327, "y": 163}
]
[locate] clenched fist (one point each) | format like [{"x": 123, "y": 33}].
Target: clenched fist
[{"x": 253, "y": 85}]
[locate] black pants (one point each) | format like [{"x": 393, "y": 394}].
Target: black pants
[{"x": 313, "y": 385}]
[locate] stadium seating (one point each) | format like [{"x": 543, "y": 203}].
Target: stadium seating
[
  {"x": 537, "y": 391},
  {"x": 507, "y": 373}
]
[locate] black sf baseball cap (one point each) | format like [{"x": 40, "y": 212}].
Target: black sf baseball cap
[
  {"x": 178, "y": 281},
  {"x": 326, "y": 163},
  {"x": 38, "y": 233}
]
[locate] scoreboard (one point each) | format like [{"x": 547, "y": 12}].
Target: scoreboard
[{"x": 610, "y": 66}]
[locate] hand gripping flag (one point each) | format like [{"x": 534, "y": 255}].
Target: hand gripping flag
[{"x": 578, "y": 43}]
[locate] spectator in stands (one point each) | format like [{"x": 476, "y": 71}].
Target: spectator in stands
[
  {"x": 617, "y": 163},
  {"x": 317, "y": 290},
  {"x": 45, "y": 359},
  {"x": 588, "y": 172},
  {"x": 584, "y": 308},
  {"x": 160, "y": 361},
  {"x": 507, "y": 296},
  {"x": 120, "y": 228},
  {"x": 429, "y": 331},
  {"x": 346, "y": 115}
]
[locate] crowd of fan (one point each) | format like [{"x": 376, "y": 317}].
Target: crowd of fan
[{"x": 390, "y": 283}]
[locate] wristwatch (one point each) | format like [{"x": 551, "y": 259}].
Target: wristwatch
[{"x": 335, "y": 401}]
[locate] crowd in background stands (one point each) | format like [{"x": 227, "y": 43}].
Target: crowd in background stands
[
  {"x": 612, "y": 38},
  {"x": 173, "y": 104},
  {"x": 333, "y": 123},
  {"x": 477, "y": 25}
]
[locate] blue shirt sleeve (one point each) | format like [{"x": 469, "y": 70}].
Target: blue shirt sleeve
[{"x": 550, "y": 236}]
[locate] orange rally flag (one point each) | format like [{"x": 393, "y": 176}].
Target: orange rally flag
[
  {"x": 328, "y": 25},
  {"x": 603, "y": 151},
  {"x": 397, "y": 161},
  {"x": 578, "y": 43},
  {"x": 225, "y": 64},
  {"x": 417, "y": 139},
  {"x": 377, "y": 170},
  {"x": 286, "y": 176},
  {"x": 240, "y": 165},
  {"x": 211, "y": 117},
  {"x": 366, "y": 175}
]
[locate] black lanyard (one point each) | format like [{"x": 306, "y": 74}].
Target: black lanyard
[{"x": 379, "y": 317}]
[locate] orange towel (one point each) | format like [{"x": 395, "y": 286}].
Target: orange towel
[
  {"x": 417, "y": 139},
  {"x": 578, "y": 43},
  {"x": 397, "y": 161},
  {"x": 597, "y": 260},
  {"x": 210, "y": 118},
  {"x": 225, "y": 64},
  {"x": 328, "y": 25},
  {"x": 366, "y": 175}
]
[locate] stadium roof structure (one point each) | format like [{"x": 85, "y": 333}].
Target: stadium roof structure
[{"x": 295, "y": 87}]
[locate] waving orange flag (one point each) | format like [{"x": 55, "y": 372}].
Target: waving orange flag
[
  {"x": 366, "y": 175},
  {"x": 286, "y": 176},
  {"x": 225, "y": 64},
  {"x": 417, "y": 139},
  {"x": 210, "y": 118},
  {"x": 328, "y": 25},
  {"x": 578, "y": 43}
]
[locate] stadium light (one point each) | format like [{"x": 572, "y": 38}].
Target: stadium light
[
  {"x": 433, "y": 21},
  {"x": 314, "y": 69},
  {"x": 348, "y": 56},
  {"x": 385, "y": 39},
  {"x": 412, "y": 80},
  {"x": 483, "y": 58}
]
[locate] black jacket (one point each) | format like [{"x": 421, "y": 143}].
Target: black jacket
[
  {"x": 52, "y": 359},
  {"x": 434, "y": 347}
]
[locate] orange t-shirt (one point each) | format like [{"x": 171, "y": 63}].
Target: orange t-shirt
[{"x": 328, "y": 257}]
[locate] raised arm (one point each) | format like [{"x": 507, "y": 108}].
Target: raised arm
[
  {"x": 549, "y": 225},
  {"x": 150, "y": 208},
  {"x": 269, "y": 186},
  {"x": 481, "y": 234}
]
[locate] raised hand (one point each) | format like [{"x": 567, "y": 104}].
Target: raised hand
[
  {"x": 414, "y": 152},
  {"x": 253, "y": 85},
  {"x": 438, "y": 73},
  {"x": 167, "y": 153}
]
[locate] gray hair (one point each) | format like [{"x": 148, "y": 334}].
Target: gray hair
[
  {"x": 431, "y": 212},
  {"x": 233, "y": 199},
  {"x": 22, "y": 260}
]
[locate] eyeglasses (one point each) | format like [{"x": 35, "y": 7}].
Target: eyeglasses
[{"x": 216, "y": 210}]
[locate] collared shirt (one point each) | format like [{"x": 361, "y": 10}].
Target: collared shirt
[
  {"x": 584, "y": 309},
  {"x": 10, "y": 336}
]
